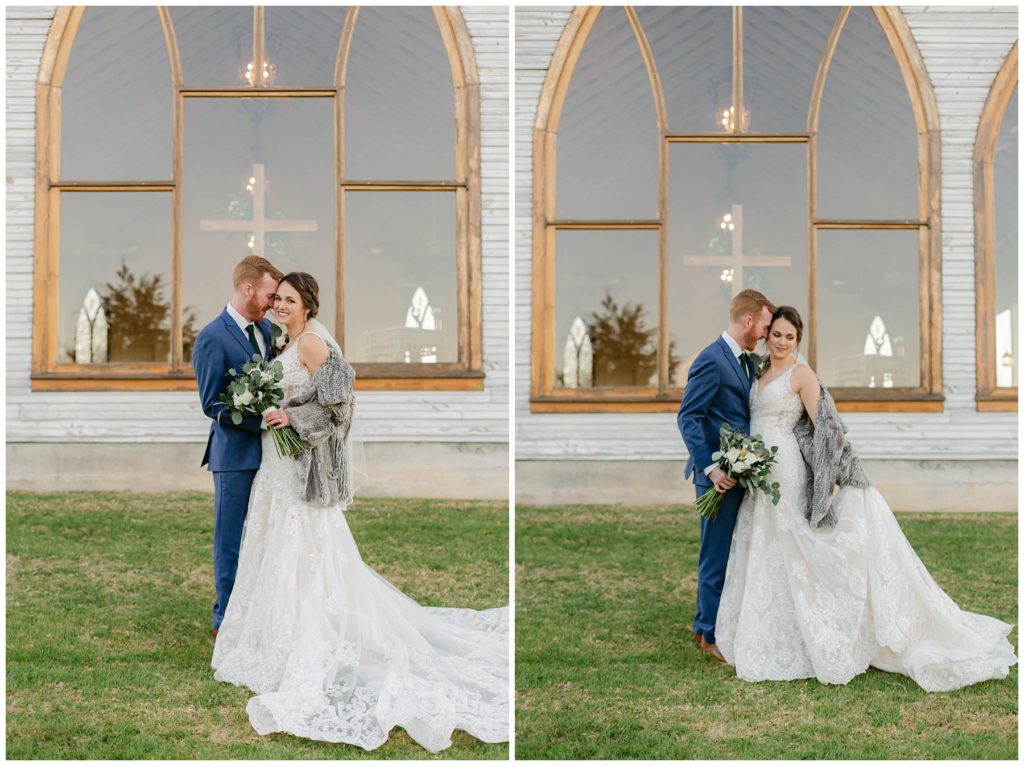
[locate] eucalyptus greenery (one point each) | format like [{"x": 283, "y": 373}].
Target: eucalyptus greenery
[
  {"x": 746, "y": 459},
  {"x": 253, "y": 391}
]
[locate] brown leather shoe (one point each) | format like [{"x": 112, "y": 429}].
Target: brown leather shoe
[
  {"x": 697, "y": 638},
  {"x": 213, "y": 632},
  {"x": 711, "y": 649}
]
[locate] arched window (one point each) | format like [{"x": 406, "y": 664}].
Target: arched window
[
  {"x": 995, "y": 232},
  {"x": 682, "y": 154},
  {"x": 172, "y": 142}
]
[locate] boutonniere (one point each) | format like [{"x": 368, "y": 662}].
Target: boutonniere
[
  {"x": 278, "y": 337},
  {"x": 761, "y": 365}
]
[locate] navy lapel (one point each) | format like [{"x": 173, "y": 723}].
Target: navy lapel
[
  {"x": 267, "y": 328},
  {"x": 236, "y": 332},
  {"x": 734, "y": 363}
]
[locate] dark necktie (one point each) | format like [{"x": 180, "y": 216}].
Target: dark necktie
[
  {"x": 252, "y": 338},
  {"x": 747, "y": 362}
]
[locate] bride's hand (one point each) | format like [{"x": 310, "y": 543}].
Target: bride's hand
[{"x": 276, "y": 418}]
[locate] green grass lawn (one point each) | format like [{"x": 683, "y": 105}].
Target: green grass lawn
[
  {"x": 108, "y": 604},
  {"x": 605, "y": 667}
]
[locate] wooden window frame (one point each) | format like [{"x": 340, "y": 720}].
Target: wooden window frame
[
  {"x": 989, "y": 397},
  {"x": 545, "y": 396},
  {"x": 48, "y": 375}
]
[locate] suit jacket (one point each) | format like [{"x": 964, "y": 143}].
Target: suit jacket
[
  {"x": 220, "y": 346},
  {"x": 717, "y": 392}
]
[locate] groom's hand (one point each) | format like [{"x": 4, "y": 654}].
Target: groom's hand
[{"x": 722, "y": 481}]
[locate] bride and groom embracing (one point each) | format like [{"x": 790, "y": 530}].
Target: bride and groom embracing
[
  {"x": 333, "y": 651},
  {"x": 824, "y": 583}
]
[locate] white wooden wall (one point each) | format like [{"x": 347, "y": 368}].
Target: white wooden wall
[
  {"x": 176, "y": 417},
  {"x": 963, "y": 48}
]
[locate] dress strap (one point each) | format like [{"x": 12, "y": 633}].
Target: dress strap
[{"x": 309, "y": 332}]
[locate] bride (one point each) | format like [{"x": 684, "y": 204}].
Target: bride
[
  {"x": 822, "y": 588},
  {"x": 333, "y": 651}
]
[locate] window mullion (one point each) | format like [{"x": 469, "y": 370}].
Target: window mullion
[
  {"x": 738, "y": 125},
  {"x": 258, "y": 46}
]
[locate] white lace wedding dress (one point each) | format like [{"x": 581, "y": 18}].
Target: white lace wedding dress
[
  {"x": 800, "y": 602},
  {"x": 333, "y": 651}
]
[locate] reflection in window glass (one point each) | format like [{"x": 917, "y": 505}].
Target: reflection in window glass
[
  {"x": 116, "y": 99},
  {"x": 868, "y": 314},
  {"x": 867, "y": 137},
  {"x": 398, "y": 98},
  {"x": 692, "y": 47},
  {"x": 606, "y": 309},
  {"x": 302, "y": 44},
  {"x": 400, "y": 302},
  {"x": 608, "y": 136},
  {"x": 215, "y": 46},
  {"x": 1005, "y": 167},
  {"x": 781, "y": 50},
  {"x": 737, "y": 220},
  {"x": 230, "y": 144},
  {"x": 115, "y": 293}
]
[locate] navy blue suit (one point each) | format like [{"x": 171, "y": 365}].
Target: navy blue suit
[
  {"x": 717, "y": 392},
  {"x": 233, "y": 452}
]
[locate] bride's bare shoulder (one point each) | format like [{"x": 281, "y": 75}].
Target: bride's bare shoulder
[
  {"x": 312, "y": 350},
  {"x": 803, "y": 375}
]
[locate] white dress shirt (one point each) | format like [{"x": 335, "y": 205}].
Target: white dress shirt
[{"x": 242, "y": 323}]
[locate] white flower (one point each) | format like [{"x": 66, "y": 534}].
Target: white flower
[
  {"x": 280, "y": 341},
  {"x": 732, "y": 455},
  {"x": 754, "y": 459},
  {"x": 243, "y": 398},
  {"x": 740, "y": 467},
  {"x": 266, "y": 376}
]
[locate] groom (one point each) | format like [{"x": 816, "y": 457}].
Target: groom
[
  {"x": 717, "y": 391},
  {"x": 233, "y": 452}
]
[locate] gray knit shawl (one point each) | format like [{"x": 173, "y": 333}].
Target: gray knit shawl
[
  {"x": 321, "y": 413},
  {"x": 830, "y": 460}
]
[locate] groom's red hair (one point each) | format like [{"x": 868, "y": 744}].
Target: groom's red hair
[
  {"x": 251, "y": 269},
  {"x": 749, "y": 303}
]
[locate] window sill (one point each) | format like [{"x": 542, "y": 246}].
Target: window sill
[
  {"x": 670, "y": 403},
  {"x": 1001, "y": 400},
  {"x": 469, "y": 381}
]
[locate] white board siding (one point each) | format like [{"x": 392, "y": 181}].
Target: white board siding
[
  {"x": 963, "y": 48},
  {"x": 175, "y": 417}
]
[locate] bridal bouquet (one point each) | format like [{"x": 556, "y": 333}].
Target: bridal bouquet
[
  {"x": 746, "y": 459},
  {"x": 253, "y": 391}
]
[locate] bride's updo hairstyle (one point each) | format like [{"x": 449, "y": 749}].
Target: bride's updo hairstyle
[
  {"x": 792, "y": 316},
  {"x": 307, "y": 288}
]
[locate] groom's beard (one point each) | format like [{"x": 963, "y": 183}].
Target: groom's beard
[{"x": 255, "y": 309}]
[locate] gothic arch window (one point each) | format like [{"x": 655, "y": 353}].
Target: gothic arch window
[
  {"x": 995, "y": 232},
  {"x": 173, "y": 141},
  {"x": 682, "y": 154}
]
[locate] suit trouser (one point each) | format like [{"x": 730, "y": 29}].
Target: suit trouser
[
  {"x": 715, "y": 541},
  {"x": 231, "y": 502}
]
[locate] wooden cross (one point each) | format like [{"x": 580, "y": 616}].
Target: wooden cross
[
  {"x": 259, "y": 224},
  {"x": 737, "y": 260}
]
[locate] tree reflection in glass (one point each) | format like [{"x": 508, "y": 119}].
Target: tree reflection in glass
[
  {"x": 617, "y": 305},
  {"x": 102, "y": 234}
]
